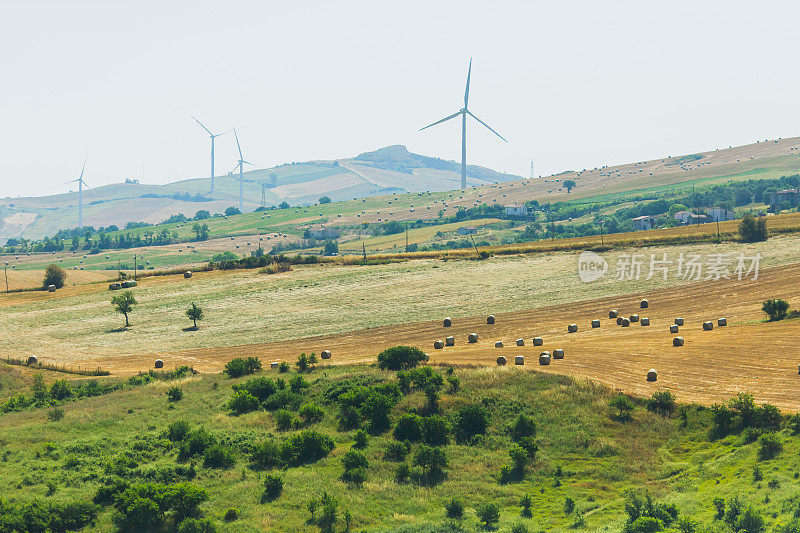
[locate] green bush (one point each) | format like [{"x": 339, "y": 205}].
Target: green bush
[
  {"x": 242, "y": 402},
  {"x": 662, "y": 402},
  {"x": 644, "y": 524},
  {"x": 775, "y": 309},
  {"x": 519, "y": 527},
  {"x": 56, "y": 414},
  {"x": 273, "y": 487},
  {"x": 395, "y": 451},
  {"x": 174, "y": 394},
  {"x": 54, "y": 275},
  {"x": 267, "y": 455},
  {"x": 400, "y": 358},
  {"x": 770, "y": 446},
  {"x": 471, "y": 420},
  {"x": 311, "y": 413},
  {"x": 305, "y": 447},
  {"x": 454, "y": 509},
  {"x": 752, "y": 229},
  {"x": 432, "y": 459},
  {"x": 402, "y": 473},
  {"x": 196, "y": 442},
  {"x": 177, "y": 430},
  {"x": 435, "y": 430},
  {"x": 218, "y": 456},
  {"x": 196, "y": 525},
  {"x": 241, "y": 366},
  {"x": 526, "y": 503},
  {"x": 60, "y": 390},
  {"x": 488, "y": 514},
  {"x": 355, "y": 466},
  {"x": 522, "y": 427},
  {"x": 408, "y": 428},
  {"x": 623, "y": 405},
  {"x": 231, "y": 515},
  {"x": 361, "y": 439},
  {"x": 284, "y": 420}
]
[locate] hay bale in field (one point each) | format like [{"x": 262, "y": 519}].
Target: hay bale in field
[
  {"x": 544, "y": 358},
  {"x": 187, "y": 274},
  {"x": 159, "y": 363},
  {"x": 722, "y": 321},
  {"x": 273, "y": 365},
  {"x": 673, "y": 328},
  {"x": 677, "y": 341},
  {"x": 114, "y": 286},
  {"x": 501, "y": 361},
  {"x": 645, "y": 321},
  {"x": 572, "y": 328},
  {"x": 450, "y": 341},
  {"x": 652, "y": 375},
  {"x": 472, "y": 338},
  {"x": 498, "y": 344},
  {"x": 438, "y": 345},
  {"x": 538, "y": 341},
  {"x": 520, "y": 342},
  {"x": 490, "y": 319},
  {"x": 678, "y": 321},
  {"x": 32, "y": 360},
  {"x": 558, "y": 353},
  {"x": 625, "y": 322},
  {"x": 644, "y": 304},
  {"x": 613, "y": 313},
  {"x": 619, "y": 320},
  {"x": 325, "y": 354},
  {"x": 708, "y": 325},
  {"x": 519, "y": 360},
  {"x": 51, "y": 288},
  {"x": 447, "y": 322},
  {"x": 595, "y": 323},
  {"x": 634, "y": 318}
]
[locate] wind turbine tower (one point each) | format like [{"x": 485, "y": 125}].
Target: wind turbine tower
[
  {"x": 464, "y": 112},
  {"x": 81, "y": 183},
  {"x": 532, "y": 174},
  {"x": 241, "y": 165},
  {"x": 213, "y": 136}
]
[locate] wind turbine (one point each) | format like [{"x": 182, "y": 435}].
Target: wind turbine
[
  {"x": 464, "y": 112},
  {"x": 213, "y": 136},
  {"x": 240, "y": 165},
  {"x": 81, "y": 183}
]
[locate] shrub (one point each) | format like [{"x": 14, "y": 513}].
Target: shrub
[
  {"x": 282, "y": 399},
  {"x": 177, "y": 430},
  {"x": 432, "y": 460},
  {"x": 408, "y": 428},
  {"x": 455, "y": 383},
  {"x": 488, "y": 514},
  {"x": 752, "y": 229},
  {"x": 519, "y": 457},
  {"x": 308, "y": 446},
  {"x": 402, "y": 473},
  {"x": 330, "y": 513},
  {"x": 266, "y": 455},
  {"x": 569, "y": 506},
  {"x": 196, "y": 525},
  {"x": 174, "y": 394},
  {"x": 284, "y": 420},
  {"x": 60, "y": 390},
  {"x": 454, "y": 509},
  {"x": 311, "y": 413},
  {"x": 526, "y": 503},
  {"x": 522, "y": 427},
  {"x": 435, "y": 430},
  {"x": 273, "y": 486},
  {"x": 400, "y": 358},
  {"x": 55, "y": 414},
  {"x": 242, "y": 402},
  {"x": 624, "y": 406},
  {"x": 775, "y": 309},
  {"x": 519, "y": 527},
  {"x": 361, "y": 439},
  {"x": 719, "y": 507},
  {"x": 750, "y": 521},
  {"x": 297, "y": 383},
  {"x": 395, "y": 451},
  {"x": 375, "y": 410},
  {"x": 241, "y": 366},
  {"x": 769, "y": 446},
  {"x": 218, "y": 456},
  {"x": 283, "y": 367},
  {"x": 355, "y": 466},
  {"x": 662, "y": 402},
  {"x": 471, "y": 420},
  {"x": 54, "y": 275},
  {"x": 196, "y": 442},
  {"x": 644, "y": 524},
  {"x": 231, "y": 515}
]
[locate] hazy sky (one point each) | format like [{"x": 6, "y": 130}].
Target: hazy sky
[{"x": 571, "y": 84}]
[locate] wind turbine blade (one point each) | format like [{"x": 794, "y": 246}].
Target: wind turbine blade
[
  {"x": 466, "y": 93},
  {"x": 445, "y": 119},
  {"x": 485, "y": 124},
  {"x": 221, "y": 134},
  {"x": 201, "y": 125},
  {"x": 84, "y": 163},
  {"x": 248, "y": 163},
  {"x": 87, "y": 186},
  {"x": 60, "y": 184},
  {"x": 237, "y": 143}
]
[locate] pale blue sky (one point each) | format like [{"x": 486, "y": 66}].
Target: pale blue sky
[{"x": 573, "y": 84}]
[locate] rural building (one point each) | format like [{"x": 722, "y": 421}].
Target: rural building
[
  {"x": 784, "y": 197},
  {"x": 516, "y": 210},
  {"x": 467, "y": 231},
  {"x": 688, "y": 218},
  {"x": 719, "y": 214},
  {"x": 644, "y": 222},
  {"x": 322, "y": 232}
]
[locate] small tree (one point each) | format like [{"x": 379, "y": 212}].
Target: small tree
[
  {"x": 454, "y": 509},
  {"x": 624, "y": 406},
  {"x": 488, "y": 514},
  {"x": 325, "y": 200},
  {"x": 123, "y": 304},
  {"x": 400, "y": 358},
  {"x": 526, "y": 503},
  {"x": 569, "y": 184},
  {"x": 54, "y": 275},
  {"x": 195, "y": 313},
  {"x": 752, "y": 229},
  {"x": 273, "y": 486},
  {"x": 775, "y": 309},
  {"x": 175, "y": 394}
]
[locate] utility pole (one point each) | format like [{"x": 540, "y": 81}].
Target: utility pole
[
  {"x": 602, "y": 245},
  {"x": 6, "y": 269},
  {"x": 134, "y": 266},
  {"x": 719, "y": 239},
  {"x": 364, "y": 250},
  {"x": 406, "y": 239}
]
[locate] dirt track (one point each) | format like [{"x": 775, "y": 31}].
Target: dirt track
[{"x": 747, "y": 355}]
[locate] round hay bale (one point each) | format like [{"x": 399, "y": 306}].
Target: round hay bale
[
  {"x": 634, "y": 318},
  {"x": 187, "y": 274},
  {"x": 447, "y": 322},
  {"x": 678, "y": 321},
  {"x": 501, "y": 361},
  {"x": 673, "y": 328},
  {"x": 490, "y": 319},
  {"x": 595, "y": 323},
  {"x": 450, "y": 341},
  {"x": 273, "y": 365},
  {"x": 645, "y": 321},
  {"x": 722, "y": 321},
  {"x": 625, "y": 322},
  {"x": 520, "y": 342},
  {"x": 51, "y": 288},
  {"x": 159, "y": 363},
  {"x": 652, "y": 375},
  {"x": 519, "y": 360},
  {"x": 325, "y": 354},
  {"x": 644, "y": 304},
  {"x": 613, "y": 313},
  {"x": 544, "y": 358},
  {"x": 32, "y": 360},
  {"x": 538, "y": 341},
  {"x": 498, "y": 344},
  {"x": 708, "y": 325},
  {"x": 438, "y": 345},
  {"x": 677, "y": 341},
  {"x": 558, "y": 353},
  {"x": 619, "y": 320},
  {"x": 472, "y": 338},
  {"x": 572, "y": 328}
]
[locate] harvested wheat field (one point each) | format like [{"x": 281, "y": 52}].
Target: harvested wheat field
[{"x": 747, "y": 355}]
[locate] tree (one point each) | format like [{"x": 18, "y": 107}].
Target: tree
[
  {"x": 123, "y": 304},
  {"x": 752, "y": 229},
  {"x": 775, "y": 309},
  {"x": 432, "y": 459},
  {"x": 400, "y": 358},
  {"x": 284, "y": 205},
  {"x": 331, "y": 247},
  {"x": 54, "y": 275},
  {"x": 488, "y": 514},
  {"x": 195, "y": 313},
  {"x": 569, "y": 184},
  {"x": 472, "y": 420},
  {"x": 201, "y": 231},
  {"x": 232, "y": 211},
  {"x": 324, "y": 200}
]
